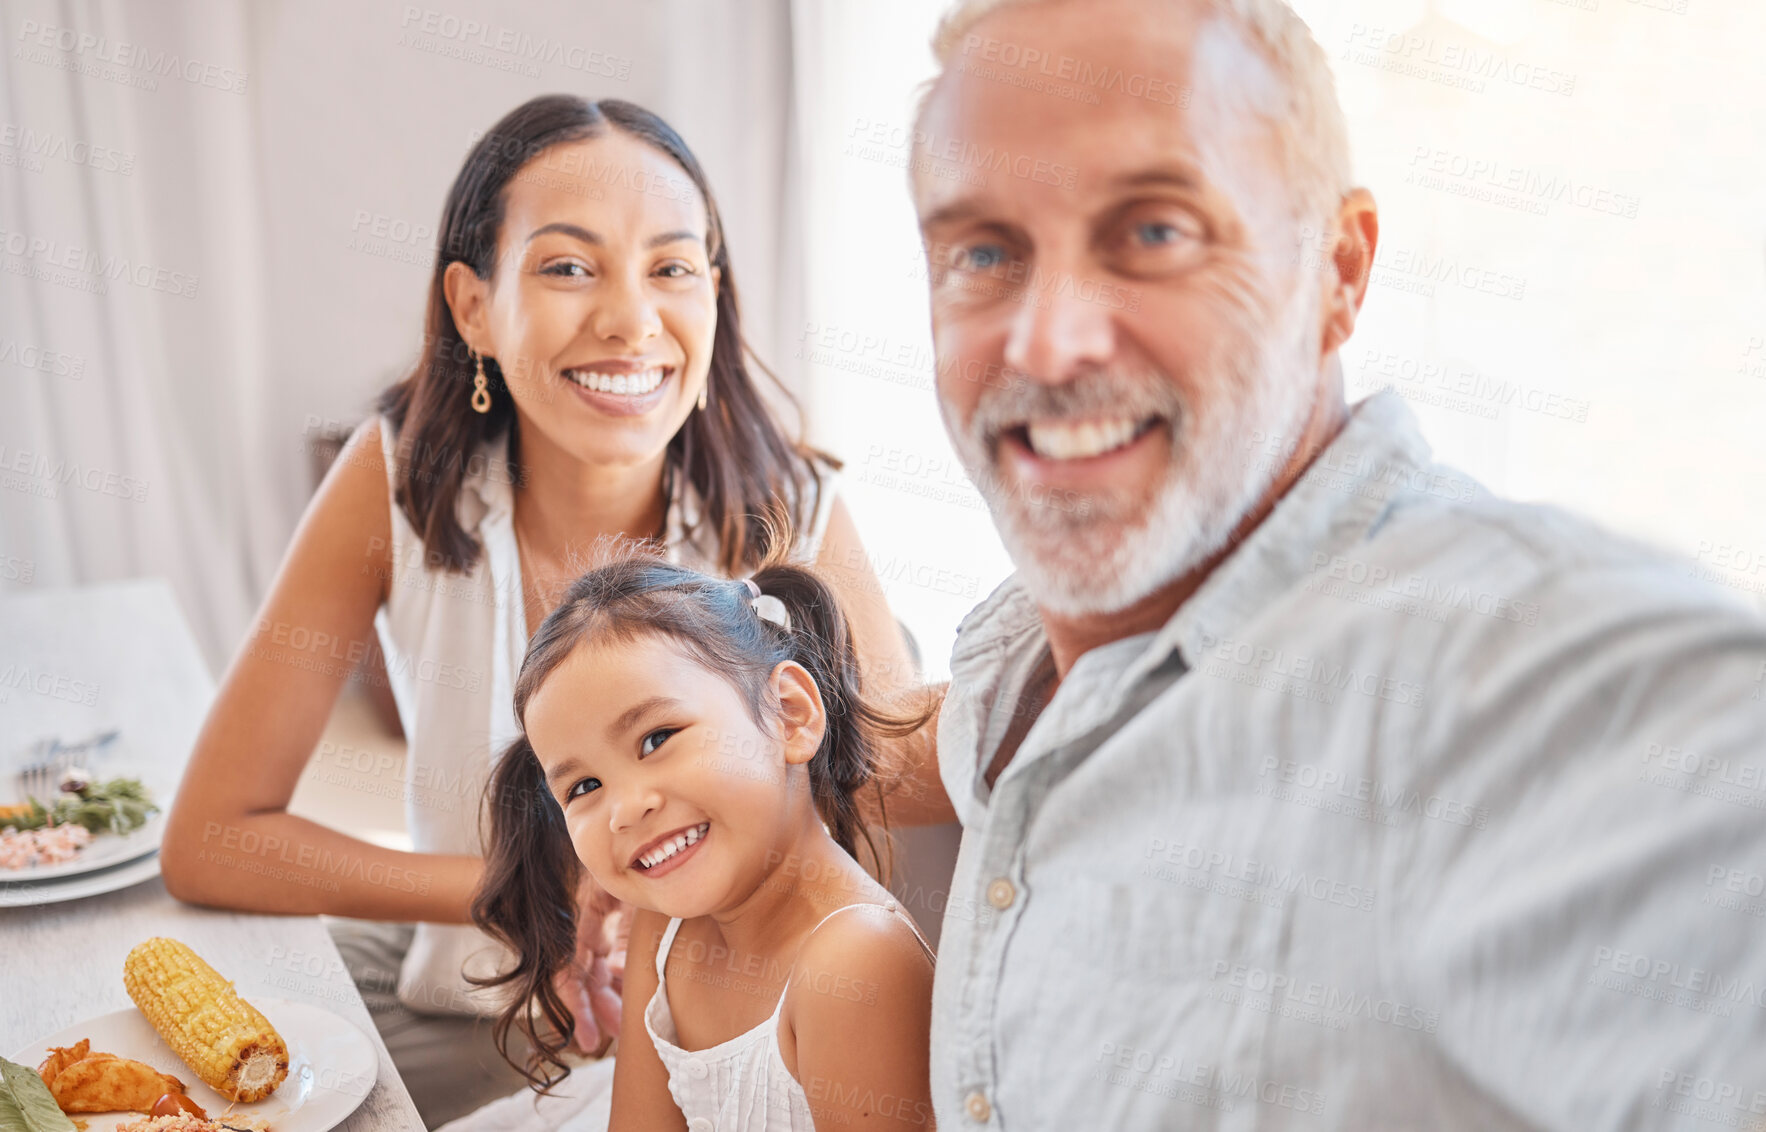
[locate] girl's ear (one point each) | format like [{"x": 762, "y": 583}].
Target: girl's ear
[{"x": 802, "y": 719}]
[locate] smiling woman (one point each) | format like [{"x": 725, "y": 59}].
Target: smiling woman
[
  {"x": 567, "y": 213},
  {"x": 583, "y": 384}
]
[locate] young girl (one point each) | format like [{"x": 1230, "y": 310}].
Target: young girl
[{"x": 698, "y": 743}]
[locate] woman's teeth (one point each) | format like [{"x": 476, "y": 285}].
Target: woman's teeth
[
  {"x": 629, "y": 384},
  {"x": 669, "y": 848},
  {"x": 1070, "y": 440}
]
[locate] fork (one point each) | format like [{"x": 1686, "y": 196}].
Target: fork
[{"x": 51, "y": 758}]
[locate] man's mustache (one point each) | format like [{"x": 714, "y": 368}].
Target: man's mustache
[{"x": 1088, "y": 396}]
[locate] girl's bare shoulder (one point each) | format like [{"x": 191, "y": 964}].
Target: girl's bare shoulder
[
  {"x": 859, "y": 1006},
  {"x": 862, "y": 953}
]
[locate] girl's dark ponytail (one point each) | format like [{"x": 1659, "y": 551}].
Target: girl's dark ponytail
[
  {"x": 527, "y": 902},
  {"x": 821, "y": 641}
]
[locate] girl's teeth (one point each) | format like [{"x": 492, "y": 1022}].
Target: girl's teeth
[
  {"x": 1062, "y": 440},
  {"x": 628, "y": 385},
  {"x": 668, "y": 849}
]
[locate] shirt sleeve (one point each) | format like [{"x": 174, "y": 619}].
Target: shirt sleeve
[{"x": 1592, "y": 925}]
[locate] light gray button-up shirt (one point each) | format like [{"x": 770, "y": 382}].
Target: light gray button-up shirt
[{"x": 1427, "y": 811}]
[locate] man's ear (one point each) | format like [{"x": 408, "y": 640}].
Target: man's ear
[
  {"x": 1351, "y": 266},
  {"x": 802, "y": 719},
  {"x": 468, "y": 298}
]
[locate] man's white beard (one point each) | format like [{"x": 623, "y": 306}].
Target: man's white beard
[{"x": 1094, "y": 554}]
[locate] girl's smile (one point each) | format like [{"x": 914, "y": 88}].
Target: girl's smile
[{"x": 670, "y": 851}]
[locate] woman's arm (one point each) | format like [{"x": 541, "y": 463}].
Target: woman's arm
[
  {"x": 230, "y": 840},
  {"x": 641, "y": 1100},
  {"x": 859, "y": 1021},
  {"x": 882, "y": 653},
  {"x": 915, "y": 793}
]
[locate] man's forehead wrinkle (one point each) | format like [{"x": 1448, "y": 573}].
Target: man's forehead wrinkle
[{"x": 983, "y": 128}]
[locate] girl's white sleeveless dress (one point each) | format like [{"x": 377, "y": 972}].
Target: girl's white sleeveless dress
[{"x": 740, "y": 1085}]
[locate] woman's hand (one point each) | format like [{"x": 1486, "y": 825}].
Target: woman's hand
[{"x": 592, "y": 985}]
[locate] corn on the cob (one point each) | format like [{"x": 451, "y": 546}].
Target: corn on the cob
[{"x": 231, "y": 1046}]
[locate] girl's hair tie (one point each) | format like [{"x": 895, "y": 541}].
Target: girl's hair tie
[{"x": 767, "y": 607}]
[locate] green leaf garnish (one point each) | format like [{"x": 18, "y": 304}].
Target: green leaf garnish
[{"x": 32, "y": 1105}]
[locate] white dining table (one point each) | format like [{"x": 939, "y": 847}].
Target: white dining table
[
  {"x": 63, "y": 963},
  {"x": 120, "y": 655}
]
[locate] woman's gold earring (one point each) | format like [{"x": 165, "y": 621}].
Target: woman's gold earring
[
  {"x": 481, "y": 393},
  {"x": 704, "y": 394}
]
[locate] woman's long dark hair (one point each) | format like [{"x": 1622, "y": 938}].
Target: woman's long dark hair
[
  {"x": 756, "y": 484},
  {"x": 527, "y": 898}
]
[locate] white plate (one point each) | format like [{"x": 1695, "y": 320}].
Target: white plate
[
  {"x": 331, "y": 1065},
  {"x": 103, "y": 851},
  {"x": 29, "y": 893}
]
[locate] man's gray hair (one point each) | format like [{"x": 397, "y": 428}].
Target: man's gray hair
[{"x": 1316, "y": 139}]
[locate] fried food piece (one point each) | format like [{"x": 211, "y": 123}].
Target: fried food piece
[
  {"x": 60, "y": 1057},
  {"x": 103, "y": 1082}
]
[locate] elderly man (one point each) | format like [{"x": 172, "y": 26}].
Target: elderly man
[{"x": 1303, "y": 784}]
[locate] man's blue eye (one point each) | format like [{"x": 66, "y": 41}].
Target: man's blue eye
[
  {"x": 585, "y": 786},
  {"x": 661, "y": 735},
  {"x": 982, "y": 257},
  {"x": 1157, "y": 233}
]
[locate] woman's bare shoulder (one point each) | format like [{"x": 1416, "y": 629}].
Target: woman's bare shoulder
[{"x": 342, "y": 546}]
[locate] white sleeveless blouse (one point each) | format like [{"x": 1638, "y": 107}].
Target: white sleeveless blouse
[
  {"x": 454, "y": 644},
  {"x": 741, "y": 1085}
]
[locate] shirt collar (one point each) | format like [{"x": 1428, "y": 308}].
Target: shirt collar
[
  {"x": 1378, "y": 457},
  {"x": 489, "y": 488}
]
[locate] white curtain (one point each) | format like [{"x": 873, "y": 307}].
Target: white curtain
[
  {"x": 131, "y": 306},
  {"x": 267, "y": 171}
]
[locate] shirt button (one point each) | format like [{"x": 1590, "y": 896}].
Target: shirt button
[
  {"x": 697, "y": 1070},
  {"x": 701, "y": 1124},
  {"x": 1000, "y": 893},
  {"x": 977, "y": 1107}
]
